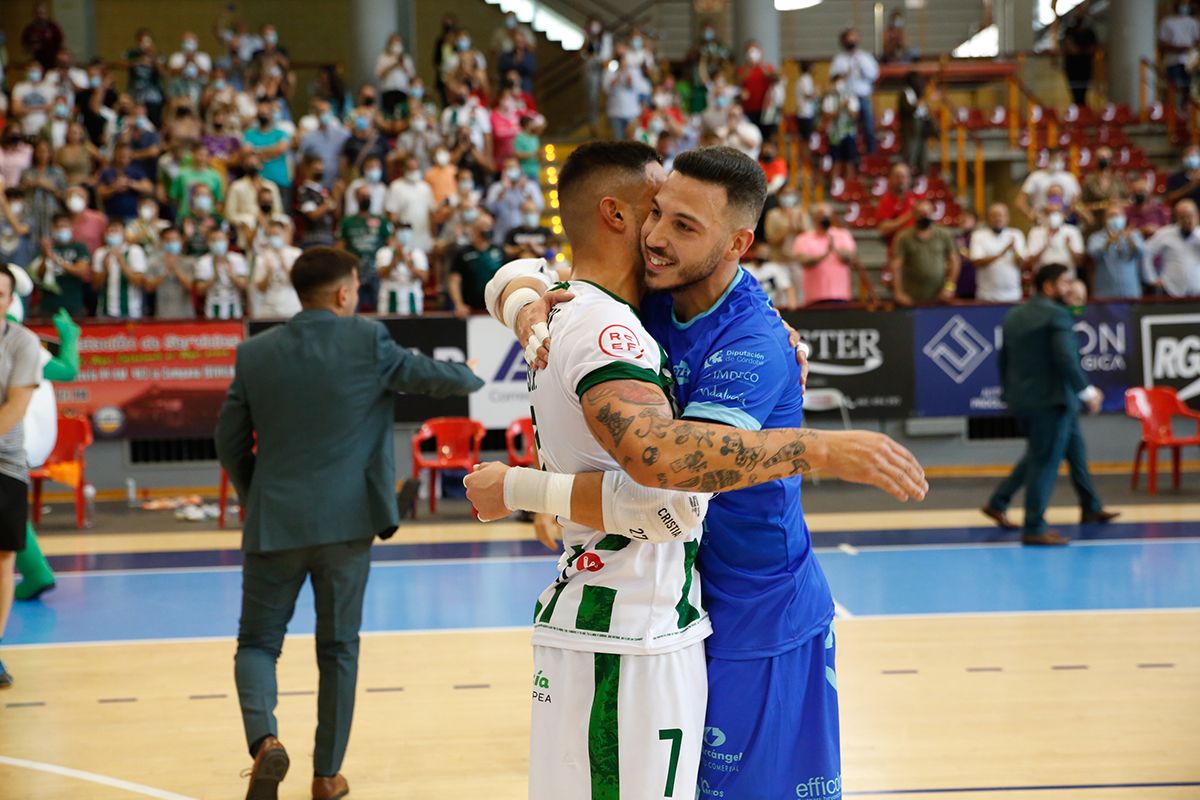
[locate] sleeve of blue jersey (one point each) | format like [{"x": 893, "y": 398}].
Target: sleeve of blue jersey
[{"x": 742, "y": 380}]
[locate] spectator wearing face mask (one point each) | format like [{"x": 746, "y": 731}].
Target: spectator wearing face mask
[
  {"x": 189, "y": 70},
  {"x": 145, "y": 74},
  {"x": 44, "y": 186},
  {"x": 197, "y": 173},
  {"x": 1035, "y": 190},
  {"x": 403, "y": 270},
  {"x": 774, "y": 277},
  {"x": 859, "y": 70},
  {"x": 520, "y": 59},
  {"x": 145, "y": 230},
  {"x": 365, "y": 138},
  {"x": 77, "y": 156},
  {"x": 924, "y": 264},
  {"x": 42, "y": 38},
  {"x": 467, "y": 114},
  {"x": 827, "y": 253},
  {"x": 1117, "y": 253},
  {"x": 507, "y": 196},
  {"x": 741, "y": 134},
  {"x": 1145, "y": 212},
  {"x": 1185, "y": 184},
  {"x": 270, "y": 145},
  {"x": 597, "y": 52},
  {"x": 623, "y": 86},
  {"x": 527, "y": 147},
  {"x": 274, "y": 296},
  {"x": 916, "y": 123},
  {"x": 242, "y": 206},
  {"x": 316, "y": 206},
  {"x": 841, "y": 109},
  {"x": 895, "y": 41},
  {"x": 200, "y": 221},
  {"x": 410, "y": 202},
  {"x": 474, "y": 265},
  {"x": 442, "y": 176},
  {"x": 15, "y": 154},
  {"x": 119, "y": 270},
  {"x": 17, "y": 245},
  {"x": 420, "y": 139},
  {"x": 325, "y": 143},
  {"x": 754, "y": 78},
  {"x": 143, "y": 139},
  {"x": 32, "y": 100},
  {"x": 506, "y": 124},
  {"x": 394, "y": 69},
  {"x": 122, "y": 186},
  {"x": 1054, "y": 240},
  {"x": 1100, "y": 188},
  {"x": 783, "y": 223},
  {"x": 371, "y": 181},
  {"x": 530, "y": 239},
  {"x": 96, "y": 103},
  {"x": 222, "y": 140},
  {"x": 1178, "y": 35},
  {"x": 169, "y": 275},
  {"x": 998, "y": 253},
  {"x": 87, "y": 224},
  {"x": 55, "y": 130},
  {"x": 63, "y": 270},
  {"x": 221, "y": 279},
  {"x": 273, "y": 60},
  {"x": 1177, "y": 248},
  {"x": 362, "y": 234},
  {"x": 504, "y": 38}
]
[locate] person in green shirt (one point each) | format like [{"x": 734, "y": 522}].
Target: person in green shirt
[
  {"x": 924, "y": 264},
  {"x": 362, "y": 234},
  {"x": 62, "y": 270},
  {"x": 473, "y": 267},
  {"x": 198, "y": 172},
  {"x": 527, "y": 148}
]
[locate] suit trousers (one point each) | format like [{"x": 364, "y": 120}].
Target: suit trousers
[
  {"x": 271, "y": 583},
  {"x": 1052, "y": 434}
]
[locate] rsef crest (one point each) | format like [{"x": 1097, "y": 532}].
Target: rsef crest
[{"x": 619, "y": 341}]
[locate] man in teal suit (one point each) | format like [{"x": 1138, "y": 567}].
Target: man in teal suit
[
  {"x": 317, "y": 395},
  {"x": 1044, "y": 386}
]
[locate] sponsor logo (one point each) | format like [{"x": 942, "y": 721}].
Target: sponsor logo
[
  {"x": 745, "y": 376},
  {"x": 1171, "y": 353},
  {"x": 705, "y": 789},
  {"x": 620, "y": 342},
  {"x": 723, "y": 395},
  {"x": 852, "y": 351},
  {"x": 715, "y": 358},
  {"x": 541, "y": 688},
  {"x": 714, "y": 737},
  {"x": 1102, "y": 347},
  {"x": 512, "y": 368},
  {"x": 820, "y": 787},
  {"x": 957, "y": 349},
  {"x": 589, "y": 562},
  {"x": 108, "y": 419},
  {"x": 683, "y": 373}
]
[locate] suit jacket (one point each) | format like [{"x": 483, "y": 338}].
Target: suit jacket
[
  {"x": 318, "y": 393},
  {"x": 1039, "y": 358}
]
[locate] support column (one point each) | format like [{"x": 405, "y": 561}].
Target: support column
[
  {"x": 1132, "y": 37},
  {"x": 1014, "y": 19},
  {"x": 371, "y": 23},
  {"x": 756, "y": 19},
  {"x": 77, "y": 18}
]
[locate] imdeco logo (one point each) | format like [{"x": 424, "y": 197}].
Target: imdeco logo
[{"x": 958, "y": 349}]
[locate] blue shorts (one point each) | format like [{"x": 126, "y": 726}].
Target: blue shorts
[{"x": 771, "y": 730}]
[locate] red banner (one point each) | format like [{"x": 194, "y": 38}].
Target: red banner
[{"x": 150, "y": 380}]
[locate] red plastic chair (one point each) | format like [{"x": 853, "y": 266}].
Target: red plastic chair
[
  {"x": 457, "y": 441},
  {"x": 74, "y": 437},
  {"x": 223, "y": 502},
  {"x": 521, "y": 429},
  {"x": 1155, "y": 408}
]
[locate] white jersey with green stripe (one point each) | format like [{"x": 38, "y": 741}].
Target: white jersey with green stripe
[{"x": 613, "y": 594}]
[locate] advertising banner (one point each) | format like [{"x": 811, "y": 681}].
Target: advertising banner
[
  {"x": 502, "y": 365},
  {"x": 1169, "y": 349},
  {"x": 865, "y": 355},
  {"x": 150, "y": 379}
]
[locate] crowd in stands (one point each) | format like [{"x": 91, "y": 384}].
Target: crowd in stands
[{"x": 186, "y": 183}]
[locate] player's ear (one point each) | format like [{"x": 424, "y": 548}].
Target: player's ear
[
  {"x": 740, "y": 244},
  {"x": 613, "y": 214}
]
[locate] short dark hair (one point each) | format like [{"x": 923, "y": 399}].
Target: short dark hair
[
  {"x": 61, "y": 216},
  {"x": 319, "y": 269},
  {"x": 740, "y": 175},
  {"x": 6, "y": 270},
  {"x": 1049, "y": 273},
  {"x": 593, "y": 163}
]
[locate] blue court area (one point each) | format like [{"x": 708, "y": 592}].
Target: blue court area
[{"x": 495, "y": 591}]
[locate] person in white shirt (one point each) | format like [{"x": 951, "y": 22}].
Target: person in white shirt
[
  {"x": 403, "y": 270},
  {"x": 409, "y": 201},
  {"x": 860, "y": 70},
  {"x": 1036, "y": 189},
  {"x": 806, "y": 106},
  {"x": 741, "y": 134},
  {"x": 372, "y": 181},
  {"x": 1178, "y": 248},
  {"x": 32, "y": 99},
  {"x": 997, "y": 252},
  {"x": 274, "y": 296},
  {"x": 222, "y": 277},
  {"x": 1178, "y": 34},
  {"x": 395, "y": 70},
  {"x": 774, "y": 278},
  {"x": 1053, "y": 241},
  {"x": 189, "y": 69},
  {"x": 118, "y": 273},
  {"x": 470, "y": 115},
  {"x": 623, "y": 84}
]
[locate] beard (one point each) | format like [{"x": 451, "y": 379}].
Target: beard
[{"x": 684, "y": 276}]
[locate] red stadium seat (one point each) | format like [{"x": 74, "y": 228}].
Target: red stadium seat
[
  {"x": 1155, "y": 408},
  {"x": 1117, "y": 114},
  {"x": 521, "y": 429},
  {"x": 1080, "y": 117},
  {"x": 457, "y": 441},
  {"x": 65, "y": 465}
]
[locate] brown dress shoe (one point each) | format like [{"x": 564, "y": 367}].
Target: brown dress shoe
[
  {"x": 1048, "y": 538},
  {"x": 333, "y": 788},
  {"x": 999, "y": 517},
  {"x": 1098, "y": 517},
  {"x": 270, "y": 768}
]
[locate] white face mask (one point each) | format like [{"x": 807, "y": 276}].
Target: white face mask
[
  {"x": 1054, "y": 220},
  {"x": 148, "y": 213},
  {"x": 413, "y": 176},
  {"x": 17, "y": 207},
  {"x": 275, "y": 242},
  {"x": 442, "y": 158},
  {"x": 75, "y": 204}
]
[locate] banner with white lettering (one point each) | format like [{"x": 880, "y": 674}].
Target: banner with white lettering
[{"x": 1169, "y": 349}]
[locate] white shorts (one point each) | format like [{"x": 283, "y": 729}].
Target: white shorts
[{"x": 616, "y": 727}]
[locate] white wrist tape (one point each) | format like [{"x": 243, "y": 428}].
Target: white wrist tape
[
  {"x": 541, "y": 332},
  {"x": 521, "y": 268},
  {"x": 652, "y": 515},
  {"x": 538, "y": 491},
  {"x": 804, "y": 349},
  {"x": 515, "y": 302}
]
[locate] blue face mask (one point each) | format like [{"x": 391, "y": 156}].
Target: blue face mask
[
  {"x": 62, "y": 235},
  {"x": 219, "y": 248},
  {"x": 172, "y": 248},
  {"x": 404, "y": 237},
  {"x": 1191, "y": 161},
  {"x": 114, "y": 240},
  {"x": 329, "y": 119},
  {"x": 1116, "y": 224},
  {"x": 362, "y": 123},
  {"x": 275, "y": 242},
  {"x": 373, "y": 175}
]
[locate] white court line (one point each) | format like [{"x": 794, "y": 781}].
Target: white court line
[
  {"x": 419, "y": 562},
  {"x": 848, "y": 549},
  {"x": 876, "y": 548},
  {"x": 92, "y": 777},
  {"x": 840, "y": 611},
  {"x": 232, "y": 639}
]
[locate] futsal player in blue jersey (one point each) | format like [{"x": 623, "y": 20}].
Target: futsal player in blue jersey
[{"x": 772, "y": 723}]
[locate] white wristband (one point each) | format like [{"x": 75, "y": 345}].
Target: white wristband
[
  {"x": 515, "y": 302},
  {"x": 538, "y": 491},
  {"x": 804, "y": 349}
]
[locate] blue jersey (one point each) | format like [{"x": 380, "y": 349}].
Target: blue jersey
[{"x": 733, "y": 365}]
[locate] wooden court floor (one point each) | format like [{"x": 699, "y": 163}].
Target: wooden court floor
[{"x": 981, "y": 703}]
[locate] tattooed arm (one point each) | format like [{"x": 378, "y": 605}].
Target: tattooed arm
[{"x": 632, "y": 421}]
